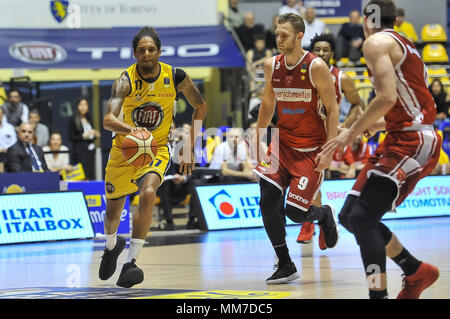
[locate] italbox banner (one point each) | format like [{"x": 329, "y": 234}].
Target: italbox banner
[
  {"x": 94, "y": 192},
  {"x": 237, "y": 205},
  {"x": 43, "y": 217}
]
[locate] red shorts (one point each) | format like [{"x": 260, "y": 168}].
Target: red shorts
[
  {"x": 405, "y": 158},
  {"x": 295, "y": 169}
]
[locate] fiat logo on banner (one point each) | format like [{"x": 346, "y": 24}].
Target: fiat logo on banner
[{"x": 37, "y": 52}]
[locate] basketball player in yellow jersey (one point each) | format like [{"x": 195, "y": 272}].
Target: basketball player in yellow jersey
[{"x": 142, "y": 98}]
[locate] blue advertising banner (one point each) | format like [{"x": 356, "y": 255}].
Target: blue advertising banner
[
  {"x": 333, "y": 8},
  {"x": 40, "y": 217},
  {"x": 209, "y": 46},
  {"x": 29, "y": 182},
  {"x": 94, "y": 192},
  {"x": 237, "y": 205},
  {"x": 231, "y": 206}
]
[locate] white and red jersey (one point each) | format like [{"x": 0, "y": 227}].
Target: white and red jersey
[
  {"x": 336, "y": 73},
  {"x": 415, "y": 107},
  {"x": 301, "y": 117}
]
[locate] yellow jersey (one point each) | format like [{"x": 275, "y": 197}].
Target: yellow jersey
[
  {"x": 150, "y": 103},
  {"x": 408, "y": 31}
]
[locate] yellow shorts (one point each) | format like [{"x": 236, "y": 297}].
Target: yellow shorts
[{"x": 121, "y": 177}]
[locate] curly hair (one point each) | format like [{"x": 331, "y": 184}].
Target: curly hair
[{"x": 324, "y": 37}]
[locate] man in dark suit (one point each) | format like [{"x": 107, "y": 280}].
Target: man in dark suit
[{"x": 24, "y": 156}]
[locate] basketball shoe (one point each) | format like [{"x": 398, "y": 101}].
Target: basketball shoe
[
  {"x": 108, "y": 264},
  {"x": 329, "y": 227},
  {"x": 283, "y": 274},
  {"x": 130, "y": 275},
  {"x": 306, "y": 233},
  {"x": 414, "y": 284}
]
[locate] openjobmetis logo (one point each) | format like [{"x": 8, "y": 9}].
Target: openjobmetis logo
[
  {"x": 223, "y": 205},
  {"x": 37, "y": 52}
]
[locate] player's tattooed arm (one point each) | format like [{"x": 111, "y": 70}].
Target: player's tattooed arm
[
  {"x": 120, "y": 89},
  {"x": 192, "y": 94}
]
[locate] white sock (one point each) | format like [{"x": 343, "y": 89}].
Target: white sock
[
  {"x": 111, "y": 241},
  {"x": 135, "y": 248}
]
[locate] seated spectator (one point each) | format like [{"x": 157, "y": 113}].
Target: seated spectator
[
  {"x": 350, "y": 39},
  {"x": 24, "y": 156},
  {"x": 41, "y": 132},
  {"x": 8, "y": 137},
  {"x": 15, "y": 111},
  {"x": 341, "y": 165},
  {"x": 360, "y": 154},
  {"x": 404, "y": 27},
  {"x": 271, "y": 38},
  {"x": 235, "y": 16},
  {"x": 442, "y": 100},
  {"x": 249, "y": 30},
  {"x": 255, "y": 61},
  {"x": 56, "y": 161},
  {"x": 313, "y": 26},
  {"x": 292, "y": 6},
  {"x": 232, "y": 159}
]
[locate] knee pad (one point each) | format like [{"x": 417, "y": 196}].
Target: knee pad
[
  {"x": 379, "y": 192},
  {"x": 345, "y": 212},
  {"x": 270, "y": 197},
  {"x": 387, "y": 234}
]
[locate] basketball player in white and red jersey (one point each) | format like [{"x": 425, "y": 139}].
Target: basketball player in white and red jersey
[
  {"x": 405, "y": 108},
  {"x": 323, "y": 45},
  {"x": 295, "y": 79}
]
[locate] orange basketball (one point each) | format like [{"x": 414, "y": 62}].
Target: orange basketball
[{"x": 139, "y": 148}]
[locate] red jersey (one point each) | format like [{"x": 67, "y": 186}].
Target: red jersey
[
  {"x": 301, "y": 116},
  {"x": 415, "y": 107},
  {"x": 336, "y": 73}
]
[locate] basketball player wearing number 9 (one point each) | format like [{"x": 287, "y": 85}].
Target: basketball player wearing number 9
[{"x": 140, "y": 113}]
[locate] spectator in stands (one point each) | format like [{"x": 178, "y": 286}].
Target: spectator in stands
[
  {"x": 41, "y": 131},
  {"x": 255, "y": 60},
  {"x": 350, "y": 39},
  {"x": 313, "y": 26},
  {"x": 341, "y": 165},
  {"x": 292, "y": 6},
  {"x": 232, "y": 159},
  {"x": 442, "y": 100},
  {"x": 235, "y": 16},
  {"x": 404, "y": 27},
  {"x": 271, "y": 38},
  {"x": 15, "y": 111},
  {"x": 24, "y": 156},
  {"x": 175, "y": 187},
  {"x": 360, "y": 153},
  {"x": 8, "y": 137},
  {"x": 249, "y": 30},
  {"x": 82, "y": 135},
  {"x": 56, "y": 162}
]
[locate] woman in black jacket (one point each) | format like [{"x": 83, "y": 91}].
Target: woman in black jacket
[
  {"x": 82, "y": 136},
  {"x": 442, "y": 101}
]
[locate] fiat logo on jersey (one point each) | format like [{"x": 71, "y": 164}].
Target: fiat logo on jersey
[
  {"x": 222, "y": 203},
  {"x": 148, "y": 115}
]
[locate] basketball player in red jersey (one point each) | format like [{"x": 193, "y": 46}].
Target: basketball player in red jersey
[
  {"x": 405, "y": 108},
  {"x": 295, "y": 79},
  {"x": 323, "y": 45}
]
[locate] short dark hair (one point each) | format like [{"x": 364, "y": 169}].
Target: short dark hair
[
  {"x": 388, "y": 12},
  {"x": 35, "y": 111},
  {"x": 146, "y": 32},
  {"x": 14, "y": 90},
  {"x": 400, "y": 12},
  {"x": 324, "y": 37},
  {"x": 295, "y": 20}
]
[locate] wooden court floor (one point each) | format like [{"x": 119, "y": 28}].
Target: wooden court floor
[{"x": 218, "y": 264}]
